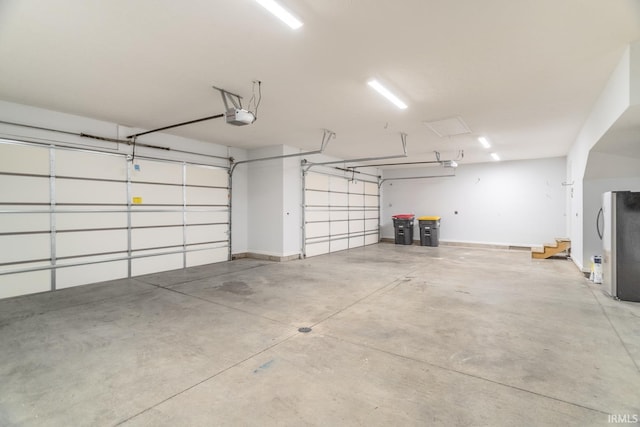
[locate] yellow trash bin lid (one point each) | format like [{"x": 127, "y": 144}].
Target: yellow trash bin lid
[{"x": 429, "y": 218}]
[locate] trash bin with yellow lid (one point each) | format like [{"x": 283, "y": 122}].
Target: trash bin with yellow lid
[{"x": 429, "y": 230}]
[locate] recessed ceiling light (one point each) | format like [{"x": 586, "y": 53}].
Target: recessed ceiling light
[
  {"x": 484, "y": 141},
  {"x": 281, "y": 13},
  {"x": 387, "y": 94},
  {"x": 495, "y": 157}
]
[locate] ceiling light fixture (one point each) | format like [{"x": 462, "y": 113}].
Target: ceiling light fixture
[
  {"x": 387, "y": 94},
  {"x": 484, "y": 141},
  {"x": 495, "y": 157},
  {"x": 281, "y": 13}
]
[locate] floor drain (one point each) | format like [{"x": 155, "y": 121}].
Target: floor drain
[{"x": 304, "y": 330}]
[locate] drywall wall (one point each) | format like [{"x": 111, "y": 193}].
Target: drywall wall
[
  {"x": 585, "y": 194},
  {"x": 239, "y": 204},
  {"x": 265, "y": 202},
  {"x": 634, "y": 73},
  {"x": 291, "y": 204},
  {"x": 519, "y": 203}
]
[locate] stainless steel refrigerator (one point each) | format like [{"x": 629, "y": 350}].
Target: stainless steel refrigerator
[{"x": 621, "y": 244}]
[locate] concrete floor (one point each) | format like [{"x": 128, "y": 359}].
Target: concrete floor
[{"x": 402, "y": 335}]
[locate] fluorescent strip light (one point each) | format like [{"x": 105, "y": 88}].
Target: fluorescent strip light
[
  {"x": 484, "y": 141},
  {"x": 387, "y": 94},
  {"x": 495, "y": 157},
  {"x": 281, "y": 13}
]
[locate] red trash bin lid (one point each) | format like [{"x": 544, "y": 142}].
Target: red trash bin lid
[{"x": 403, "y": 216}]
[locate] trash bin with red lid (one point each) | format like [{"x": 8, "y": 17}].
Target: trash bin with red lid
[{"x": 403, "y": 226}]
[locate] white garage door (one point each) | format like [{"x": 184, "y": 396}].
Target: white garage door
[
  {"x": 71, "y": 217},
  {"x": 339, "y": 213}
]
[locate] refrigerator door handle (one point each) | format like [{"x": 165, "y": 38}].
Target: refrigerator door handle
[{"x": 600, "y": 212}]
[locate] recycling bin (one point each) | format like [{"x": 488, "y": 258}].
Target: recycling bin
[
  {"x": 429, "y": 230},
  {"x": 403, "y": 225}
]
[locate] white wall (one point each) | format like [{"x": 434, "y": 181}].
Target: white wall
[
  {"x": 265, "y": 202},
  {"x": 519, "y": 203},
  {"x": 634, "y": 64},
  {"x": 614, "y": 100},
  {"x": 240, "y": 204},
  {"x": 292, "y": 204}
]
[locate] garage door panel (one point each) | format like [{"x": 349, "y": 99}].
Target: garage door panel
[
  {"x": 371, "y": 224},
  {"x": 371, "y": 239},
  {"x": 371, "y": 214},
  {"x": 87, "y": 220},
  {"x": 356, "y": 187},
  {"x": 347, "y": 206},
  {"x": 371, "y": 201},
  {"x": 90, "y": 242},
  {"x": 206, "y": 233},
  {"x": 71, "y": 191},
  {"x": 338, "y": 199},
  {"x": 148, "y": 238},
  {"x": 17, "y": 248},
  {"x": 96, "y": 222},
  {"x": 316, "y": 198},
  {"x": 356, "y": 242},
  {"x": 356, "y": 226},
  {"x": 152, "y": 194},
  {"x": 314, "y": 249},
  {"x": 208, "y": 217},
  {"x": 21, "y": 222},
  {"x": 16, "y": 158},
  {"x": 339, "y": 244},
  {"x": 152, "y": 171},
  {"x": 356, "y": 214},
  {"x": 315, "y": 181},
  {"x": 341, "y": 227},
  {"x": 319, "y": 229},
  {"x": 24, "y": 189},
  {"x": 207, "y": 196},
  {"x": 90, "y": 165},
  {"x": 12, "y": 285},
  {"x": 339, "y": 215},
  {"x": 371, "y": 188},
  {"x": 150, "y": 219},
  {"x": 356, "y": 200},
  {"x": 338, "y": 184},
  {"x": 202, "y": 175},
  {"x": 92, "y": 273},
  {"x": 156, "y": 264},
  {"x": 207, "y": 256},
  {"x": 316, "y": 215}
]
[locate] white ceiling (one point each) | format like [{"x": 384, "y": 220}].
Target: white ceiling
[{"x": 524, "y": 73}]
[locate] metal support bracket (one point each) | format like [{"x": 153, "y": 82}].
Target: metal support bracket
[{"x": 227, "y": 97}]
